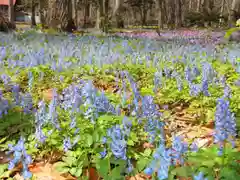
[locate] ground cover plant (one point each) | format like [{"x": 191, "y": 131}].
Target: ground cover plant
[{"x": 119, "y": 108}]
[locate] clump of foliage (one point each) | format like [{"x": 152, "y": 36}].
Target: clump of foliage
[{"x": 99, "y": 100}]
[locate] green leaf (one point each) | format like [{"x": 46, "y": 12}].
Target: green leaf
[
  {"x": 73, "y": 171},
  {"x": 103, "y": 166},
  {"x": 61, "y": 167},
  {"x": 89, "y": 140},
  {"x": 182, "y": 171},
  {"x": 78, "y": 172},
  {"x": 142, "y": 164},
  {"x": 130, "y": 142},
  {"x": 207, "y": 171},
  {"x": 69, "y": 160},
  {"x": 96, "y": 137},
  {"x": 147, "y": 152},
  {"x": 116, "y": 173},
  {"x": 209, "y": 163},
  {"x": 228, "y": 173}
]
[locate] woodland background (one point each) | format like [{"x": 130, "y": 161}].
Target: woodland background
[{"x": 105, "y": 14}]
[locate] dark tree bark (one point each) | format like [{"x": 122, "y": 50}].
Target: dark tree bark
[{"x": 33, "y": 18}]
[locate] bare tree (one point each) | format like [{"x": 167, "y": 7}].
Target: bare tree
[
  {"x": 233, "y": 10},
  {"x": 33, "y": 16},
  {"x": 11, "y": 12}
]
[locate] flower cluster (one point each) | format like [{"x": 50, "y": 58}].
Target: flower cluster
[
  {"x": 225, "y": 125},
  {"x": 118, "y": 143},
  {"x": 20, "y": 155},
  {"x": 164, "y": 157}
]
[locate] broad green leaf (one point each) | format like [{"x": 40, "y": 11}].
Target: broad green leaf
[
  {"x": 103, "y": 167},
  {"x": 147, "y": 152},
  {"x": 89, "y": 139},
  {"x": 69, "y": 160},
  {"x": 96, "y": 137},
  {"x": 116, "y": 173},
  {"x": 229, "y": 173},
  {"x": 130, "y": 142},
  {"x": 182, "y": 171},
  {"x": 61, "y": 167},
  {"x": 209, "y": 163},
  {"x": 78, "y": 172},
  {"x": 142, "y": 164},
  {"x": 73, "y": 171}
]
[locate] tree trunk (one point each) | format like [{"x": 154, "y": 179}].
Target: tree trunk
[
  {"x": 86, "y": 14},
  {"x": 60, "y": 15},
  {"x": 177, "y": 14},
  {"x": 234, "y": 8},
  {"x": 159, "y": 4},
  {"x": 221, "y": 13},
  {"x": 33, "y": 17},
  {"x": 106, "y": 20},
  {"x": 199, "y": 5},
  {"x": 41, "y": 12},
  {"x": 11, "y": 12},
  {"x": 100, "y": 14},
  {"x": 98, "y": 19}
]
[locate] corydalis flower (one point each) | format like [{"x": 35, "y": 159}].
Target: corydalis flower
[
  {"x": 154, "y": 128},
  {"x": 118, "y": 144},
  {"x": 225, "y": 125},
  {"x": 149, "y": 108},
  {"x": 16, "y": 94},
  {"x": 20, "y": 155},
  {"x": 4, "y": 105},
  {"x": 26, "y": 103},
  {"x": 200, "y": 176},
  {"x": 161, "y": 163},
  {"x": 178, "y": 78},
  {"x": 179, "y": 147},
  {"x": 127, "y": 124},
  {"x": 158, "y": 77},
  {"x": 67, "y": 144},
  {"x": 102, "y": 104}
]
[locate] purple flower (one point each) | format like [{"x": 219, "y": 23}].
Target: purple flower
[
  {"x": 103, "y": 153},
  {"x": 225, "y": 125},
  {"x": 67, "y": 144},
  {"x": 178, "y": 149},
  {"x": 200, "y": 176},
  {"x": 161, "y": 162},
  {"x": 20, "y": 155},
  {"x": 118, "y": 144}
]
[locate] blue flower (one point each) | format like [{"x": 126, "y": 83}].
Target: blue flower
[
  {"x": 154, "y": 128},
  {"x": 103, "y": 153},
  {"x": 194, "y": 147},
  {"x": 118, "y": 144},
  {"x": 102, "y": 104},
  {"x": 149, "y": 108},
  {"x": 158, "y": 77},
  {"x": 104, "y": 140},
  {"x": 179, "y": 147},
  {"x": 161, "y": 162},
  {"x": 67, "y": 144},
  {"x": 205, "y": 87},
  {"x": 200, "y": 176},
  {"x": 20, "y": 155},
  {"x": 225, "y": 125},
  {"x": 195, "y": 89},
  {"x": 188, "y": 74},
  {"x": 227, "y": 92},
  {"x": 130, "y": 167},
  {"x": 127, "y": 124}
]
